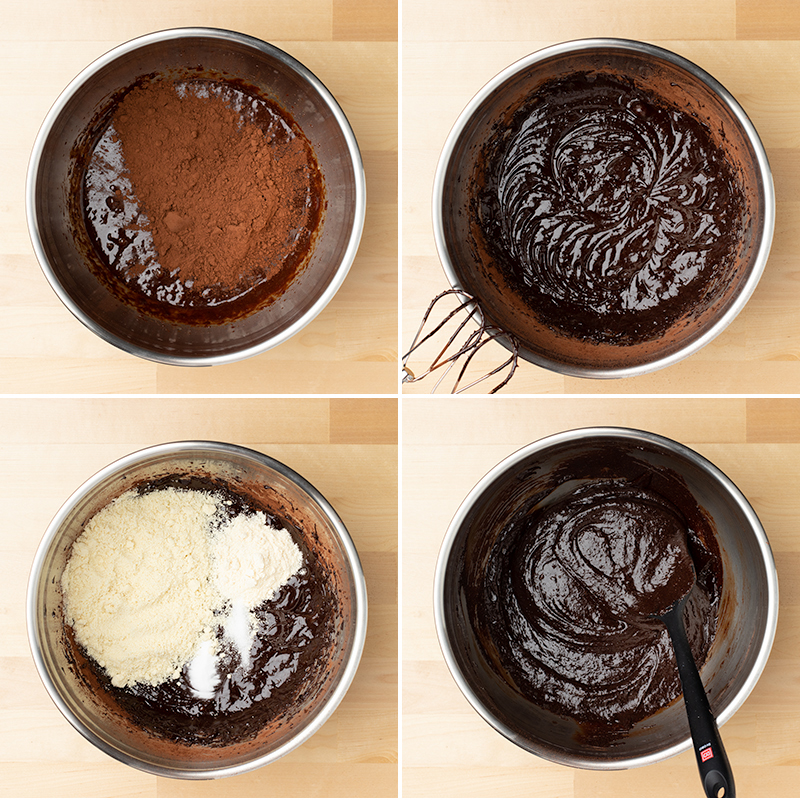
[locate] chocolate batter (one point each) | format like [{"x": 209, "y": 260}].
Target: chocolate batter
[
  {"x": 612, "y": 213},
  {"x": 565, "y": 607},
  {"x": 295, "y": 633}
]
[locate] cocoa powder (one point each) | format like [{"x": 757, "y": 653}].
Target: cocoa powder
[{"x": 205, "y": 192}]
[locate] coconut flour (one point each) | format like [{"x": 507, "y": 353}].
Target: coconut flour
[{"x": 155, "y": 576}]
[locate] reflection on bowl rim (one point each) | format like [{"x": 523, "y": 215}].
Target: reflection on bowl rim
[
  {"x": 221, "y": 449},
  {"x": 577, "y": 46},
  {"x": 632, "y": 435},
  {"x": 223, "y": 35}
]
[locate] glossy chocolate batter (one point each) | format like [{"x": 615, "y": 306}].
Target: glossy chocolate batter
[
  {"x": 565, "y": 607},
  {"x": 610, "y": 212},
  {"x": 295, "y": 633}
]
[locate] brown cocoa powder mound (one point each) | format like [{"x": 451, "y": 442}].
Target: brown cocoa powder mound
[{"x": 224, "y": 199}]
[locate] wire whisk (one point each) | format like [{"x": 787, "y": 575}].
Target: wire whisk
[{"x": 473, "y": 342}]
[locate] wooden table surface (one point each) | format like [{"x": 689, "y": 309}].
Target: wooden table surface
[
  {"x": 346, "y": 448},
  {"x": 452, "y": 48},
  {"x": 448, "y": 445},
  {"x": 351, "y": 347}
]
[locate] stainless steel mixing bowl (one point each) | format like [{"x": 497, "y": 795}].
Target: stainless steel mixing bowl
[
  {"x": 748, "y": 606},
  {"x": 76, "y": 115},
  {"x": 89, "y": 708},
  {"x": 653, "y": 70}
]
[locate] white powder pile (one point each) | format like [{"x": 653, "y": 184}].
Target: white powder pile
[
  {"x": 250, "y": 561},
  {"x": 147, "y": 574}
]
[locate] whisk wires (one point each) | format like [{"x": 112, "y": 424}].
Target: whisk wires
[{"x": 452, "y": 352}]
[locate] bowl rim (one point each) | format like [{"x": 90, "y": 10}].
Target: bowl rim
[
  {"x": 630, "y": 45},
  {"x": 219, "y": 449},
  {"x": 223, "y": 35},
  {"x": 632, "y": 435}
]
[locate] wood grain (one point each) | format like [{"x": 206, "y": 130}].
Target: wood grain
[
  {"x": 452, "y": 49},
  {"x": 351, "y": 45},
  {"x": 346, "y": 448},
  {"x": 448, "y": 445}
]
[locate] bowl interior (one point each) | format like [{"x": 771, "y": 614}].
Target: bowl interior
[
  {"x": 746, "y": 617},
  {"x": 56, "y": 221},
  {"x": 461, "y": 242},
  {"x": 94, "y": 711}
]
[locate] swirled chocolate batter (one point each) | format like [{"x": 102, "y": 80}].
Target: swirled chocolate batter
[
  {"x": 610, "y": 211},
  {"x": 565, "y": 608},
  {"x": 253, "y": 664},
  {"x": 202, "y": 199}
]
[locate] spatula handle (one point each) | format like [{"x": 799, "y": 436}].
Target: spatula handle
[{"x": 712, "y": 761}]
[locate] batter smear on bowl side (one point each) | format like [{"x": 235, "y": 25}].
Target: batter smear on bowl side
[
  {"x": 612, "y": 213},
  {"x": 202, "y": 199}
]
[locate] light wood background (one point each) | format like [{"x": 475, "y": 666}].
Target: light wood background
[
  {"x": 351, "y": 347},
  {"x": 346, "y": 448},
  {"x": 449, "y": 444},
  {"x": 452, "y": 48}
]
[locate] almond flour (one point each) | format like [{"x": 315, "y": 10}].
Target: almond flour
[{"x": 154, "y": 576}]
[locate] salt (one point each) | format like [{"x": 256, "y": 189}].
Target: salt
[
  {"x": 239, "y": 630},
  {"x": 202, "y": 671}
]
